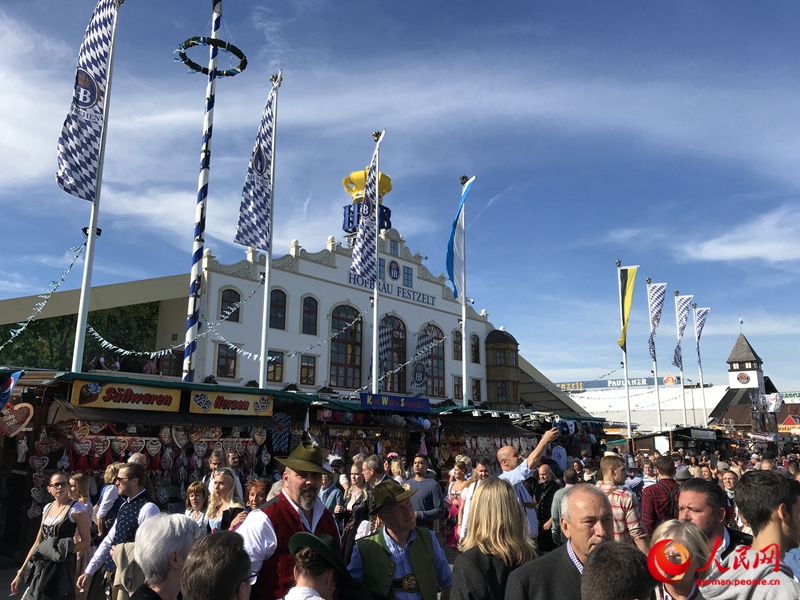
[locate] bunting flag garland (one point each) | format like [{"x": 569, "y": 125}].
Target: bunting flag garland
[
  {"x": 255, "y": 220},
  {"x": 656, "y": 293},
  {"x": 700, "y": 320},
  {"x": 683, "y": 305},
  {"x": 364, "y": 256},
  {"x": 45, "y": 296},
  {"x": 627, "y": 279},
  {"x": 82, "y": 133}
]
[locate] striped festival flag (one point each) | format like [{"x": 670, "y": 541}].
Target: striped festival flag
[
  {"x": 456, "y": 249},
  {"x": 656, "y": 292},
  {"x": 419, "y": 372},
  {"x": 699, "y": 322},
  {"x": 255, "y": 218},
  {"x": 627, "y": 279},
  {"x": 683, "y": 304},
  {"x": 82, "y": 134},
  {"x": 384, "y": 346},
  {"x": 364, "y": 254}
]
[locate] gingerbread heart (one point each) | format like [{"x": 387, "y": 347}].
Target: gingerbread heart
[
  {"x": 136, "y": 444},
  {"x": 195, "y": 434},
  {"x": 42, "y": 447},
  {"x": 166, "y": 463},
  {"x": 119, "y": 445},
  {"x": 64, "y": 428},
  {"x": 82, "y": 448},
  {"x": 80, "y": 432},
  {"x": 179, "y": 436},
  {"x": 216, "y": 445},
  {"x": 263, "y": 404},
  {"x": 100, "y": 445},
  {"x": 153, "y": 447},
  {"x": 55, "y": 444},
  {"x": 240, "y": 448},
  {"x": 15, "y": 418},
  {"x": 265, "y": 456},
  {"x": 37, "y": 494},
  {"x": 35, "y": 511},
  {"x": 229, "y": 445},
  {"x": 259, "y": 435},
  {"x": 38, "y": 463},
  {"x": 235, "y": 432},
  {"x": 96, "y": 427},
  {"x": 39, "y": 479},
  {"x": 165, "y": 435},
  {"x": 213, "y": 432},
  {"x": 200, "y": 448},
  {"x": 251, "y": 448}
]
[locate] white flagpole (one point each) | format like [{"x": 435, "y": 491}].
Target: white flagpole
[
  {"x": 464, "y": 382},
  {"x": 655, "y": 362},
  {"x": 678, "y": 331},
  {"x": 376, "y": 315},
  {"x": 86, "y": 284},
  {"x": 624, "y": 349},
  {"x": 262, "y": 374}
]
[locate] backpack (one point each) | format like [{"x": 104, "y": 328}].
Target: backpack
[{"x": 673, "y": 499}]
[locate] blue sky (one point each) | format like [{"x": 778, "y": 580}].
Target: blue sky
[{"x": 664, "y": 135}]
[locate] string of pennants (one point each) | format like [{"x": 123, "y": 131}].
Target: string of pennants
[
  {"x": 210, "y": 326},
  {"x": 46, "y": 294}
]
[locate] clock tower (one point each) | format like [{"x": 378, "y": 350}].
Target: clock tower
[{"x": 744, "y": 366}]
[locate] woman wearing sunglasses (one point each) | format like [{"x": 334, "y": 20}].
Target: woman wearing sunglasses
[
  {"x": 61, "y": 520},
  {"x": 225, "y": 502}
]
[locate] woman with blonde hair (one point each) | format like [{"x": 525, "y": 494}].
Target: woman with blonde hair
[
  {"x": 497, "y": 542},
  {"x": 398, "y": 472},
  {"x": 225, "y": 502},
  {"x": 690, "y": 537},
  {"x": 79, "y": 492}
]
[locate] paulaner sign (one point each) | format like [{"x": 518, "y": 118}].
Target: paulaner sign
[
  {"x": 575, "y": 386},
  {"x": 391, "y": 289}
]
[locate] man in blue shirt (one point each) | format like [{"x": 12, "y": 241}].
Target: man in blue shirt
[{"x": 395, "y": 561}]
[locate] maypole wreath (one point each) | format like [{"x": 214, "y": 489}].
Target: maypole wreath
[{"x": 207, "y": 41}]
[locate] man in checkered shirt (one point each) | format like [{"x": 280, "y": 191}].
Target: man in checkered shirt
[{"x": 624, "y": 505}]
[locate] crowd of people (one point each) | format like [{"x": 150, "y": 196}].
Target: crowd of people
[{"x": 322, "y": 528}]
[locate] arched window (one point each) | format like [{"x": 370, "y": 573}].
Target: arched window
[
  {"x": 475, "y": 349},
  {"x": 457, "y": 345},
  {"x": 277, "y": 310},
  {"x": 345, "y": 349},
  {"x": 229, "y": 298},
  {"x": 309, "y": 315},
  {"x": 435, "y": 380},
  {"x": 395, "y": 354}
]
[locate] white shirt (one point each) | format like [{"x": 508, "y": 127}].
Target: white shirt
[
  {"x": 108, "y": 496},
  {"x": 147, "y": 511},
  {"x": 466, "y": 499},
  {"x": 518, "y": 475},
  {"x": 260, "y": 541},
  {"x": 303, "y": 593}
]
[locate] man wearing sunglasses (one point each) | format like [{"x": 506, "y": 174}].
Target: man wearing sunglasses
[{"x": 136, "y": 509}]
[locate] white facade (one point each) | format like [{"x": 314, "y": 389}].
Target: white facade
[{"x": 415, "y": 297}]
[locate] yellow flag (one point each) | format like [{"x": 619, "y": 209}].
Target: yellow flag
[{"x": 627, "y": 278}]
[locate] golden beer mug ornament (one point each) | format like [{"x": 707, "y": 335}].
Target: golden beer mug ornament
[{"x": 356, "y": 182}]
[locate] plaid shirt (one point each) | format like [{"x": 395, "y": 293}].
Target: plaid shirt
[
  {"x": 625, "y": 508},
  {"x": 656, "y": 502}
]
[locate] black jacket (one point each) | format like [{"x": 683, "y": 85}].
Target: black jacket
[
  {"x": 479, "y": 576},
  {"x": 550, "y": 577}
]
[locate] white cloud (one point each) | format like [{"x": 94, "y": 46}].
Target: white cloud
[{"x": 773, "y": 237}]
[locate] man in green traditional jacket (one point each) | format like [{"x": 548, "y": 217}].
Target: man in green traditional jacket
[{"x": 400, "y": 561}]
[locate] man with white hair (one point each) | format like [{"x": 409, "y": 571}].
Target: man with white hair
[{"x": 162, "y": 545}]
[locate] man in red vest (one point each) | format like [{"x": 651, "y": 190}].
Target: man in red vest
[{"x": 266, "y": 532}]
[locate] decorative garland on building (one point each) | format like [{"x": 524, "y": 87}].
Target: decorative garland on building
[
  {"x": 207, "y": 41},
  {"x": 45, "y": 296},
  {"x": 104, "y": 343}
]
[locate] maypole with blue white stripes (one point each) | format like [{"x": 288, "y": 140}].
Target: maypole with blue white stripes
[{"x": 195, "y": 288}]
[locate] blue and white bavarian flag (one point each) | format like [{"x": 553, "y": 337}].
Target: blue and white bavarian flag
[
  {"x": 364, "y": 255},
  {"x": 700, "y": 317},
  {"x": 456, "y": 248},
  {"x": 255, "y": 220},
  {"x": 682, "y": 306},
  {"x": 384, "y": 354},
  {"x": 656, "y": 292},
  {"x": 82, "y": 134},
  {"x": 419, "y": 370}
]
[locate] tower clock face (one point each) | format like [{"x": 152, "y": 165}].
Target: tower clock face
[{"x": 743, "y": 378}]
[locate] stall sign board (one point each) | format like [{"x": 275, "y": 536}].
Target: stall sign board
[
  {"x": 205, "y": 402},
  {"x": 700, "y": 434},
  {"x": 94, "y": 394},
  {"x": 395, "y": 403}
]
